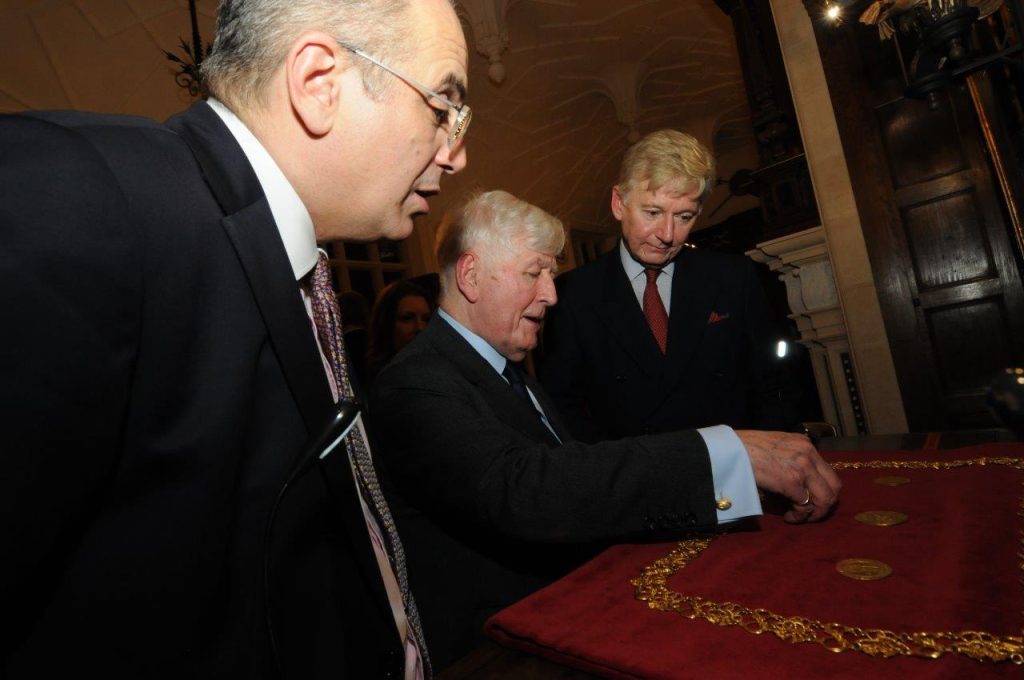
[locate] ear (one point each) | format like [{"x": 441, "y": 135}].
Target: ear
[
  {"x": 313, "y": 71},
  {"x": 467, "y": 276},
  {"x": 618, "y": 204}
]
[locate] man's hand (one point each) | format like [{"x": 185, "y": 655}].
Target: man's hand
[{"x": 788, "y": 464}]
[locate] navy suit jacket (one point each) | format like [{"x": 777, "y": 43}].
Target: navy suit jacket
[
  {"x": 604, "y": 370},
  {"x": 490, "y": 506},
  {"x": 162, "y": 382}
]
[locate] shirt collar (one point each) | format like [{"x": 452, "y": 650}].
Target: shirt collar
[
  {"x": 290, "y": 214},
  {"x": 483, "y": 348},
  {"x": 633, "y": 268}
]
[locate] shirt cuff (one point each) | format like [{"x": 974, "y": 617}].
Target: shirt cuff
[{"x": 735, "y": 488}]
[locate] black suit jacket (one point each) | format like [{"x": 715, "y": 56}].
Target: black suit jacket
[
  {"x": 491, "y": 506},
  {"x": 161, "y": 382},
  {"x": 605, "y": 372}
]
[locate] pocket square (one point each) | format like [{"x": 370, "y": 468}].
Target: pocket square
[{"x": 716, "y": 317}]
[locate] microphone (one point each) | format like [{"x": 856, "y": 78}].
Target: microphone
[{"x": 320, "y": 447}]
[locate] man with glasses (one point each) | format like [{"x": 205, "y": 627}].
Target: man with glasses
[{"x": 176, "y": 501}]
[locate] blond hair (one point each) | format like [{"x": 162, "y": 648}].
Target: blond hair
[{"x": 665, "y": 157}]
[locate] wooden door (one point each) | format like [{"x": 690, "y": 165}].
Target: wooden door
[{"x": 936, "y": 229}]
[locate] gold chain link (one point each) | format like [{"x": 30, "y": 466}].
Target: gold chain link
[
  {"x": 652, "y": 588},
  {"x": 1016, "y": 463}
]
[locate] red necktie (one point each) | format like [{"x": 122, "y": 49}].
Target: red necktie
[{"x": 654, "y": 310}]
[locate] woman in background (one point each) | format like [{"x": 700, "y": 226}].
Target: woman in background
[{"x": 401, "y": 311}]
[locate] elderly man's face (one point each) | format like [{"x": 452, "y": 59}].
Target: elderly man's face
[
  {"x": 395, "y": 147},
  {"x": 515, "y": 288},
  {"x": 655, "y": 224}
]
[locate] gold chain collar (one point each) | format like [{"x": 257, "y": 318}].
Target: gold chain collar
[{"x": 652, "y": 588}]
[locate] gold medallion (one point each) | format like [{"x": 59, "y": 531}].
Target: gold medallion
[
  {"x": 881, "y": 518},
  {"x": 892, "y": 481},
  {"x": 863, "y": 569}
]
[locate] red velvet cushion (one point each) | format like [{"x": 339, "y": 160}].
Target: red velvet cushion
[{"x": 956, "y": 567}]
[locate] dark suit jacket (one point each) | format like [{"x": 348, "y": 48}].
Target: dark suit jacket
[
  {"x": 605, "y": 372},
  {"x": 161, "y": 380},
  {"x": 492, "y": 507}
]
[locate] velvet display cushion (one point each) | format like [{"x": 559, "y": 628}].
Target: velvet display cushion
[{"x": 770, "y": 601}]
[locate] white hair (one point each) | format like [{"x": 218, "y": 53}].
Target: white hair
[
  {"x": 253, "y": 37},
  {"x": 495, "y": 221}
]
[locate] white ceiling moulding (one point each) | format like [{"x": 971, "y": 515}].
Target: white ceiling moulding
[{"x": 488, "y": 19}]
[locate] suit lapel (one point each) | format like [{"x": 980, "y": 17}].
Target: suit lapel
[
  {"x": 250, "y": 226},
  {"x": 623, "y": 318},
  {"x": 693, "y": 298},
  {"x": 550, "y": 410},
  {"x": 509, "y": 407},
  {"x": 257, "y": 242},
  {"x": 291, "y": 333}
]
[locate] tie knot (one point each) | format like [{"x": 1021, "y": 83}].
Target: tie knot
[
  {"x": 511, "y": 374},
  {"x": 320, "y": 276},
  {"x": 652, "y": 275}
]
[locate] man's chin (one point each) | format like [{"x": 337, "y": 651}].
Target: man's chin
[
  {"x": 401, "y": 229},
  {"x": 659, "y": 260}
]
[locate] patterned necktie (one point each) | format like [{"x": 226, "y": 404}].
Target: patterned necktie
[
  {"x": 327, "y": 318},
  {"x": 654, "y": 310}
]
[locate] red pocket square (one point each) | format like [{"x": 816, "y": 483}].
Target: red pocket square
[{"x": 716, "y": 317}]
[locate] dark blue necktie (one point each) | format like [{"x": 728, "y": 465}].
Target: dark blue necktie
[{"x": 515, "y": 379}]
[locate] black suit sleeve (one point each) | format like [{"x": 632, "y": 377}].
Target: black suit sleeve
[
  {"x": 561, "y": 365},
  {"x": 452, "y": 455},
  {"x": 69, "y": 304}
]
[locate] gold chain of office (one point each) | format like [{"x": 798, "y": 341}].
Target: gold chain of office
[{"x": 652, "y": 588}]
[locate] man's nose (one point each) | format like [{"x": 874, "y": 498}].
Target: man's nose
[
  {"x": 547, "y": 293},
  {"x": 666, "y": 228},
  {"x": 452, "y": 160}
]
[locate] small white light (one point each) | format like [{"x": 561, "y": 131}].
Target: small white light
[
  {"x": 832, "y": 12},
  {"x": 782, "y": 349}
]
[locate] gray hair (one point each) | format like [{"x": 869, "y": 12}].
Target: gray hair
[
  {"x": 253, "y": 37},
  {"x": 668, "y": 156},
  {"x": 493, "y": 221}
]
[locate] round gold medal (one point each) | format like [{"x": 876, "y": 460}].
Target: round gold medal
[
  {"x": 863, "y": 569},
  {"x": 881, "y": 518}
]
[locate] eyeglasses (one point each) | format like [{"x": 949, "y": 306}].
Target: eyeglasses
[{"x": 463, "y": 114}]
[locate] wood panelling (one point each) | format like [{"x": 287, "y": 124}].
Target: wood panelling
[
  {"x": 971, "y": 341},
  {"x": 916, "y": 152},
  {"x": 946, "y": 242},
  {"x": 936, "y": 228}
]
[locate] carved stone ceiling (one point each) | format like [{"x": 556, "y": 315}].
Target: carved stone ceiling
[
  {"x": 584, "y": 77},
  {"x": 579, "y": 77}
]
